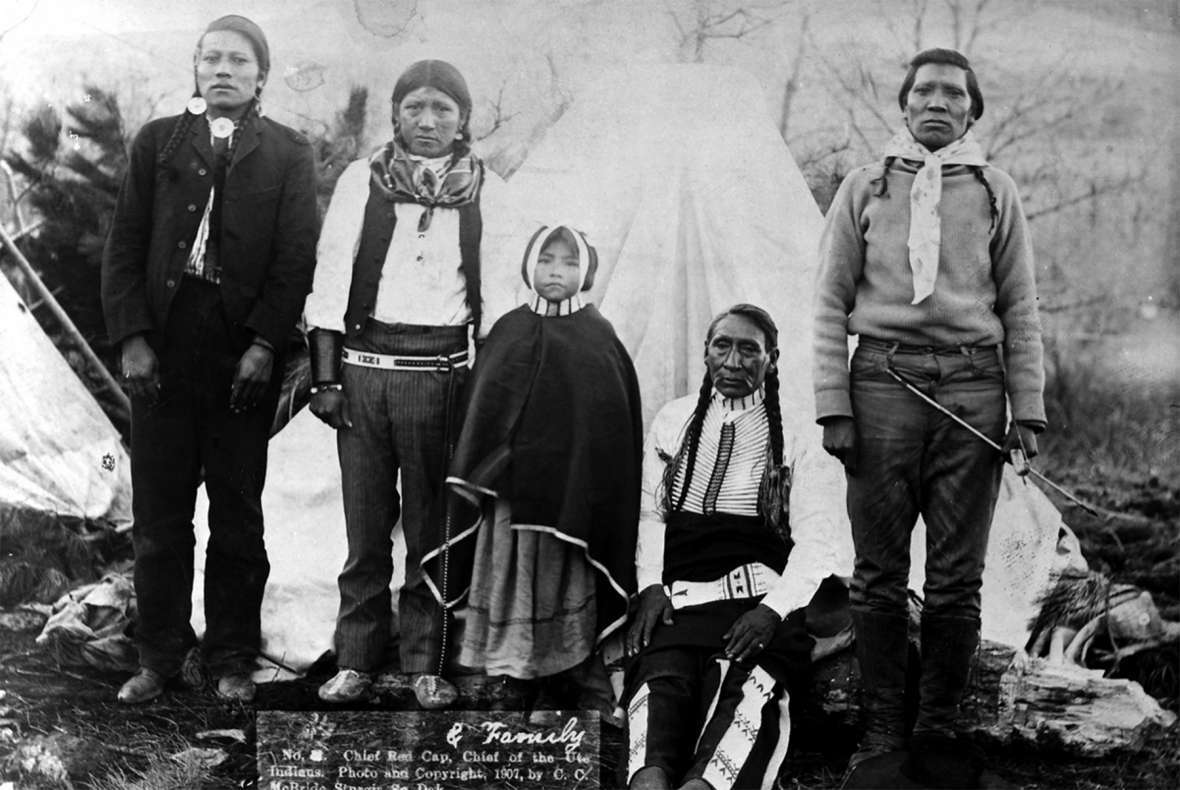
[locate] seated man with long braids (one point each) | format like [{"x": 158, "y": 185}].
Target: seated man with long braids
[{"x": 742, "y": 519}]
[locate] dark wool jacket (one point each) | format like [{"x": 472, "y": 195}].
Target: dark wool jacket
[{"x": 269, "y": 227}]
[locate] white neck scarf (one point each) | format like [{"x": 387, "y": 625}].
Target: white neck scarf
[{"x": 926, "y": 193}]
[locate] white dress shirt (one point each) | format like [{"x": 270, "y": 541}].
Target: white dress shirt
[{"x": 421, "y": 281}]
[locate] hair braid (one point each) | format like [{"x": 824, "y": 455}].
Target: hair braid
[
  {"x": 774, "y": 414},
  {"x": 180, "y": 131},
  {"x": 772, "y": 496},
  {"x": 184, "y": 125},
  {"x": 687, "y": 453},
  {"x": 977, "y": 171},
  {"x": 253, "y": 110},
  {"x": 883, "y": 179}
]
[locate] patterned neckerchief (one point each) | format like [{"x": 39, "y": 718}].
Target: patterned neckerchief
[
  {"x": 925, "y": 237},
  {"x": 407, "y": 179}
]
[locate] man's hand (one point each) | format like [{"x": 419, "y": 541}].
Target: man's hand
[
  {"x": 840, "y": 441},
  {"x": 1023, "y": 439},
  {"x": 751, "y": 633},
  {"x": 331, "y": 406},
  {"x": 251, "y": 377},
  {"x": 141, "y": 369},
  {"x": 654, "y": 607}
]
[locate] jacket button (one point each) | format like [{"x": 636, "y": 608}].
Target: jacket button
[
  {"x": 202, "y": 171},
  {"x": 192, "y": 206},
  {"x": 171, "y": 283},
  {"x": 181, "y": 244}
]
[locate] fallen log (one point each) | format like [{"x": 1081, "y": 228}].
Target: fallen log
[{"x": 1013, "y": 698}]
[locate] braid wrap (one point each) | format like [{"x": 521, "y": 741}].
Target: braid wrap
[
  {"x": 991, "y": 196},
  {"x": 687, "y": 454},
  {"x": 180, "y": 131},
  {"x": 883, "y": 179}
]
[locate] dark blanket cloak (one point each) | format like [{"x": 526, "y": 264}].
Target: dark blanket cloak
[{"x": 553, "y": 425}]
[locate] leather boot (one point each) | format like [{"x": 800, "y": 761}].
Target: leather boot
[
  {"x": 650, "y": 778},
  {"x": 948, "y": 647},
  {"x": 882, "y": 651},
  {"x": 939, "y": 757}
]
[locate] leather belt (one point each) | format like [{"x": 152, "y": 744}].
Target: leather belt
[
  {"x": 369, "y": 359},
  {"x": 893, "y": 347},
  {"x": 747, "y": 581}
]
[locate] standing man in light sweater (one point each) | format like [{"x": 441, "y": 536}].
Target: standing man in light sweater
[{"x": 927, "y": 258}]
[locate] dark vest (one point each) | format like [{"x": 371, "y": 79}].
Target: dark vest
[
  {"x": 376, "y": 234},
  {"x": 699, "y": 548}
]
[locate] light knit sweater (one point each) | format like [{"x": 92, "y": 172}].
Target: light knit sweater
[{"x": 985, "y": 293}]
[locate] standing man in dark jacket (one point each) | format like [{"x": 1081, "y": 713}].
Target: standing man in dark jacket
[{"x": 204, "y": 275}]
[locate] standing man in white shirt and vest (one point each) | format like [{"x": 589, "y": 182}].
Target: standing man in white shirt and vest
[
  {"x": 398, "y": 290},
  {"x": 741, "y": 521}
]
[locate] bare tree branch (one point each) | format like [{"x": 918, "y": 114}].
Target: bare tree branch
[
  {"x": 1095, "y": 191},
  {"x": 856, "y": 93},
  {"x": 13, "y": 199},
  {"x": 807, "y": 158},
  {"x": 1026, "y": 98},
  {"x": 854, "y": 126},
  {"x": 1043, "y": 108},
  {"x": 19, "y": 22},
  {"x": 792, "y": 86},
  {"x": 976, "y": 28},
  {"x": 1048, "y": 304},
  {"x": 919, "y": 17},
  {"x": 675, "y": 20},
  {"x": 499, "y": 115},
  {"x": 708, "y": 23}
]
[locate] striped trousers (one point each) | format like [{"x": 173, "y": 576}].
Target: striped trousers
[
  {"x": 399, "y": 425},
  {"x": 695, "y": 714}
]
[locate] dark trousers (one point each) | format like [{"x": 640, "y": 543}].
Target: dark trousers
[
  {"x": 190, "y": 433},
  {"x": 914, "y": 460},
  {"x": 399, "y": 423}
]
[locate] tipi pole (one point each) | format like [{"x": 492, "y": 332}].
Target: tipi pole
[{"x": 63, "y": 318}]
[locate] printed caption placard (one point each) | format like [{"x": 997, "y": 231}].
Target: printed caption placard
[{"x": 427, "y": 750}]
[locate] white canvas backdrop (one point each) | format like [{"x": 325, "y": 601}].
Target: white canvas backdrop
[{"x": 691, "y": 209}]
